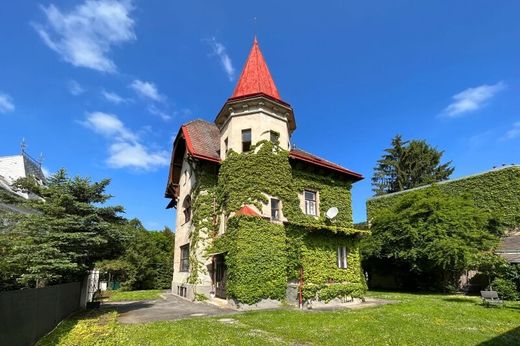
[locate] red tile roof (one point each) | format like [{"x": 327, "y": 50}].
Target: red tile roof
[
  {"x": 247, "y": 210},
  {"x": 298, "y": 154},
  {"x": 202, "y": 140},
  {"x": 255, "y": 77}
]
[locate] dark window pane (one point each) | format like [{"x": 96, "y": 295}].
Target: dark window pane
[
  {"x": 246, "y": 140},
  {"x": 185, "y": 258},
  {"x": 310, "y": 195},
  {"x": 275, "y": 209},
  {"x": 246, "y": 135},
  {"x": 274, "y": 136}
]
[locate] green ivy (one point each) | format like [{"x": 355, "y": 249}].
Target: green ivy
[
  {"x": 262, "y": 256},
  {"x": 204, "y": 216},
  {"x": 495, "y": 191},
  {"x": 255, "y": 260},
  {"x": 316, "y": 253}
]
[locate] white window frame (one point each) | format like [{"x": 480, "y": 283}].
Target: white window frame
[
  {"x": 310, "y": 206},
  {"x": 342, "y": 257}
]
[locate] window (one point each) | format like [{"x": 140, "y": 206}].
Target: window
[
  {"x": 225, "y": 146},
  {"x": 246, "y": 140},
  {"x": 275, "y": 209},
  {"x": 185, "y": 176},
  {"x": 310, "y": 202},
  {"x": 274, "y": 137},
  {"x": 186, "y": 208},
  {"x": 185, "y": 258},
  {"x": 342, "y": 257}
]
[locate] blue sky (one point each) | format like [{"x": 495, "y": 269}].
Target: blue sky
[{"x": 104, "y": 97}]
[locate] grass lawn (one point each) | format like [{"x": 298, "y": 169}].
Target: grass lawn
[
  {"x": 415, "y": 320},
  {"x": 119, "y": 296}
]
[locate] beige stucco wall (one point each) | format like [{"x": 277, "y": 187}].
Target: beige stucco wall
[
  {"x": 261, "y": 121},
  {"x": 183, "y": 230}
]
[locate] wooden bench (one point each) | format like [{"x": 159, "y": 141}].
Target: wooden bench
[{"x": 490, "y": 298}]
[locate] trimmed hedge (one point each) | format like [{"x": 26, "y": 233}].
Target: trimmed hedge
[{"x": 496, "y": 191}]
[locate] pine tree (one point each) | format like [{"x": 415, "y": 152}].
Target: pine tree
[
  {"x": 69, "y": 230},
  {"x": 409, "y": 164}
]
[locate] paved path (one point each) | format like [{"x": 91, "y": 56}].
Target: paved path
[{"x": 170, "y": 308}]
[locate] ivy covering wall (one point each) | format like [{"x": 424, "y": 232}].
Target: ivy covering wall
[
  {"x": 256, "y": 260},
  {"x": 497, "y": 192},
  {"x": 204, "y": 219},
  {"x": 262, "y": 256}
]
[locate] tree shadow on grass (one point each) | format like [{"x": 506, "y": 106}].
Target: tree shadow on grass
[
  {"x": 511, "y": 337},
  {"x": 67, "y": 325},
  {"x": 459, "y": 300}
]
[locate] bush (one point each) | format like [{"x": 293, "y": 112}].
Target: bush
[{"x": 506, "y": 289}]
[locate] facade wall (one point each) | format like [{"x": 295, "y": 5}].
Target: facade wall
[
  {"x": 260, "y": 121},
  {"x": 12, "y": 168},
  {"x": 182, "y": 229}
]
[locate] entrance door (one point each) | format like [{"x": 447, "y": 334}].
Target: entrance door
[{"x": 220, "y": 276}]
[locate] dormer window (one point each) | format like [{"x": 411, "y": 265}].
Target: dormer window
[
  {"x": 186, "y": 208},
  {"x": 274, "y": 137},
  {"x": 246, "y": 140}
]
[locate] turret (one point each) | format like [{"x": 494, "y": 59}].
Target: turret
[{"x": 255, "y": 111}]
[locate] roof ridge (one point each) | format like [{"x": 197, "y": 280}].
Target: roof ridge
[
  {"x": 513, "y": 166},
  {"x": 198, "y": 119}
]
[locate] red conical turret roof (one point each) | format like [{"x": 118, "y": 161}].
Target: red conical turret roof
[{"x": 255, "y": 77}]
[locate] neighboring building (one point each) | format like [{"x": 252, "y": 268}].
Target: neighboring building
[
  {"x": 251, "y": 216},
  {"x": 16, "y": 167},
  {"x": 11, "y": 169}
]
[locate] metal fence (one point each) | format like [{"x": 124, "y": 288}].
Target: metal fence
[{"x": 27, "y": 315}]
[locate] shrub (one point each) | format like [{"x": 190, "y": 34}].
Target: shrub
[{"x": 506, "y": 289}]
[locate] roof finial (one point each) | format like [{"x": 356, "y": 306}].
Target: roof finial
[
  {"x": 254, "y": 29},
  {"x": 23, "y": 145}
]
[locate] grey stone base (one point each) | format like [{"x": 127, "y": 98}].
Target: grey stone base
[
  {"x": 263, "y": 304},
  {"x": 188, "y": 291}
]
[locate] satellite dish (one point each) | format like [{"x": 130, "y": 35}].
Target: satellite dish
[{"x": 332, "y": 212}]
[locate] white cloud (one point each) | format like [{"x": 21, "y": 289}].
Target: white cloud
[
  {"x": 6, "y": 103},
  {"x": 75, "y": 88},
  {"x": 147, "y": 90},
  {"x": 125, "y": 149},
  {"x": 136, "y": 155},
  {"x": 156, "y": 111},
  {"x": 220, "y": 51},
  {"x": 514, "y": 132},
  {"x": 84, "y": 36},
  {"x": 472, "y": 99},
  {"x": 108, "y": 125},
  {"x": 113, "y": 97}
]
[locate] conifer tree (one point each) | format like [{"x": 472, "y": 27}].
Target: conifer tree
[
  {"x": 409, "y": 164},
  {"x": 68, "y": 231}
]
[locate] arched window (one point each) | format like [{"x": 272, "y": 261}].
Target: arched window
[{"x": 186, "y": 208}]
